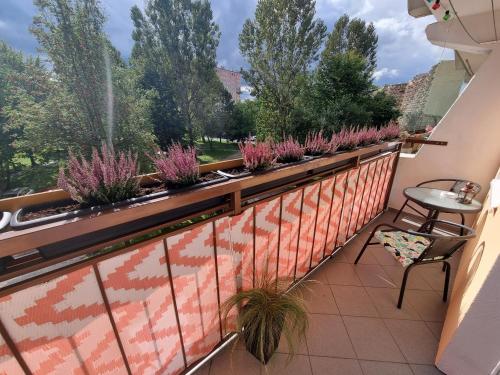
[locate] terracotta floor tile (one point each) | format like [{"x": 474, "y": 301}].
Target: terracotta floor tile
[
  {"x": 436, "y": 328},
  {"x": 353, "y": 300},
  {"x": 300, "y": 346},
  {"x": 415, "y": 281},
  {"x": 385, "y": 368},
  {"x": 335, "y": 366},
  {"x": 434, "y": 276},
  {"x": 327, "y": 336},
  {"x": 373, "y": 275},
  {"x": 205, "y": 370},
  {"x": 319, "y": 298},
  {"x": 429, "y": 304},
  {"x": 340, "y": 258},
  {"x": 371, "y": 339},
  {"x": 280, "y": 364},
  {"x": 384, "y": 258},
  {"x": 425, "y": 370},
  {"x": 415, "y": 340},
  {"x": 342, "y": 274},
  {"x": 385, "y": 301},
  {"x": 235, "y": 362},
  {"x": 352, "y": 250}
]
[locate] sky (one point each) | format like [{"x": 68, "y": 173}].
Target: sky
[{"x": 403, "y": 49}]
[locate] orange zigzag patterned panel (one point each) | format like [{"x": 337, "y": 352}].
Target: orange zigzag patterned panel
[
  {"x": 139, "y": 293},
  {"x": 383, "y": 173},
  {"x": 289, "y": 236},
  {"x": 267, "y": 222},
  {"x": 373, "y": 193},
  {"x": 234, "y": 237},
  {"x": 325, "y": 203},
  {"x": 358, "y": 195},
  {"x": 336, "y": 212},
  {"x": 306, "y": 236},
  {"x": 61, "y": 326},
  {"x": 191, "y": 256},
  {"x": 363, "y": 217},
  {"x": 387, "y": 179},
  {"x": 348, "y": 203},
  {"x": 8, "y": 364}
]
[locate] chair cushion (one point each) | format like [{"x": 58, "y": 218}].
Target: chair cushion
[{"x": 406, "y": 248}]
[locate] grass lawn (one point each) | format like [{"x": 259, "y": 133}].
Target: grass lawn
[{"x": 218, "y": 151}]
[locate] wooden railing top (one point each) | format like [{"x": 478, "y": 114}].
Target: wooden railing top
[{"x": 14, "y": 242}]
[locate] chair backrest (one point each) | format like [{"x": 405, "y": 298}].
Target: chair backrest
[{"x": 444, "y": 246}]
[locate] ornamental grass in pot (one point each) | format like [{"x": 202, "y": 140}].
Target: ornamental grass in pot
[{"x": 266, "y": 313}]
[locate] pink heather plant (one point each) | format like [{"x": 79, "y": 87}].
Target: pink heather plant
[
  {"x": 316, "y": 144},
  {"x": 105, "y": 179},
  {"x": 177, "y": 167},
  {"x": 257, "y": 156},
  {"x": 368, "y": 136},
  {"x": 390, "y": 131},
  {"x": 288, "y": 151},
  {"x": 347, "y": 139}
]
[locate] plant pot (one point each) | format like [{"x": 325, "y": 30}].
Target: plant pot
[
  {"x": 4, "y": 219},
  {"x": 270, "y": 345},
  {"x": 246, "y": 172},
  {"x": 17, "y": 223}
]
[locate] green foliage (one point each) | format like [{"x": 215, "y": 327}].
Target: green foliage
[
  {"x": 244, "y": 120},
  {"x": 354, "y": 36},
  {"x": 177, "y": 40},
  {"x": 279, "y": 44},
  {"x": 342, "y": 89},
  {"x": 383, "y": 108},
  {"x": 266, "y": 313}
]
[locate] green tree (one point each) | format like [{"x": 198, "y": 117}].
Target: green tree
[
  {"x": 353, "y": 36},
  {"x": 279, "y": 44},
  {"x": 342, "y": 88},
  {"x": 244, "y": 120},
  {"x": 178, "y": 39},
  {"x": 92, "y": 76},
  {"x": 383, "y": 107}
]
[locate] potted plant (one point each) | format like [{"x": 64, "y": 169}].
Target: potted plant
[
  {"x": 266, "y": 313},
  {"x": 110, "y": 180},
  {"x": 257, "y": 157},
  {"x": 368, "y": 136},
  {"x": 346, "y": 139},
  {"x": 317, "y": 145},
  {"x": 179, "y": 169},
  {"x": 390, "y": 132}
]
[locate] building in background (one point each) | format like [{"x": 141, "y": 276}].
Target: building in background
[
  {"x": 427, "y": 97},
  {"x": 231, "y": 81}
]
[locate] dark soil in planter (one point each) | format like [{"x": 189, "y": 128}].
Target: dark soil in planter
[{"x": 62, "y": 210}]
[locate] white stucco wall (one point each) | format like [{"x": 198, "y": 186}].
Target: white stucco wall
[{"x": 472, "y": 129}]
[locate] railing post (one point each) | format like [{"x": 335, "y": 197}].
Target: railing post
[
  {"x": 393, "y": 174},
  {"x": 235, "y": 202}
]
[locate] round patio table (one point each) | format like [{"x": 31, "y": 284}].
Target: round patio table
[{"x": 437, "y": 201}]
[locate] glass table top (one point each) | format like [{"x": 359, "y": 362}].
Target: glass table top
[{"x": 441, "y": 200}]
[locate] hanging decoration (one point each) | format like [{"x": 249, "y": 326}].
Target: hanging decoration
[
  {"x": 446, "y": 16},
  {"x": 436, "y": 5}
]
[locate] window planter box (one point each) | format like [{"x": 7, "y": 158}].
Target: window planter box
[
  {"x": 16, "y": 221},
  {"x": 241, "y": 171}
]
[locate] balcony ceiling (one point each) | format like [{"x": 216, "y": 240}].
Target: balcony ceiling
[{"x": 472, "y": 30}]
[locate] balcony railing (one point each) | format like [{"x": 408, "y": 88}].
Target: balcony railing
[{"x": 150, "y": 302}]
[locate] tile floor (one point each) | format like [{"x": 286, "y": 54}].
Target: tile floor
[{"x": 354, "y": 326}]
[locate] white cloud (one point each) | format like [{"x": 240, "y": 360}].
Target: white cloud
[
  {"x": 385, "y": 73},
  {"x": 3, "y": 24}
]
